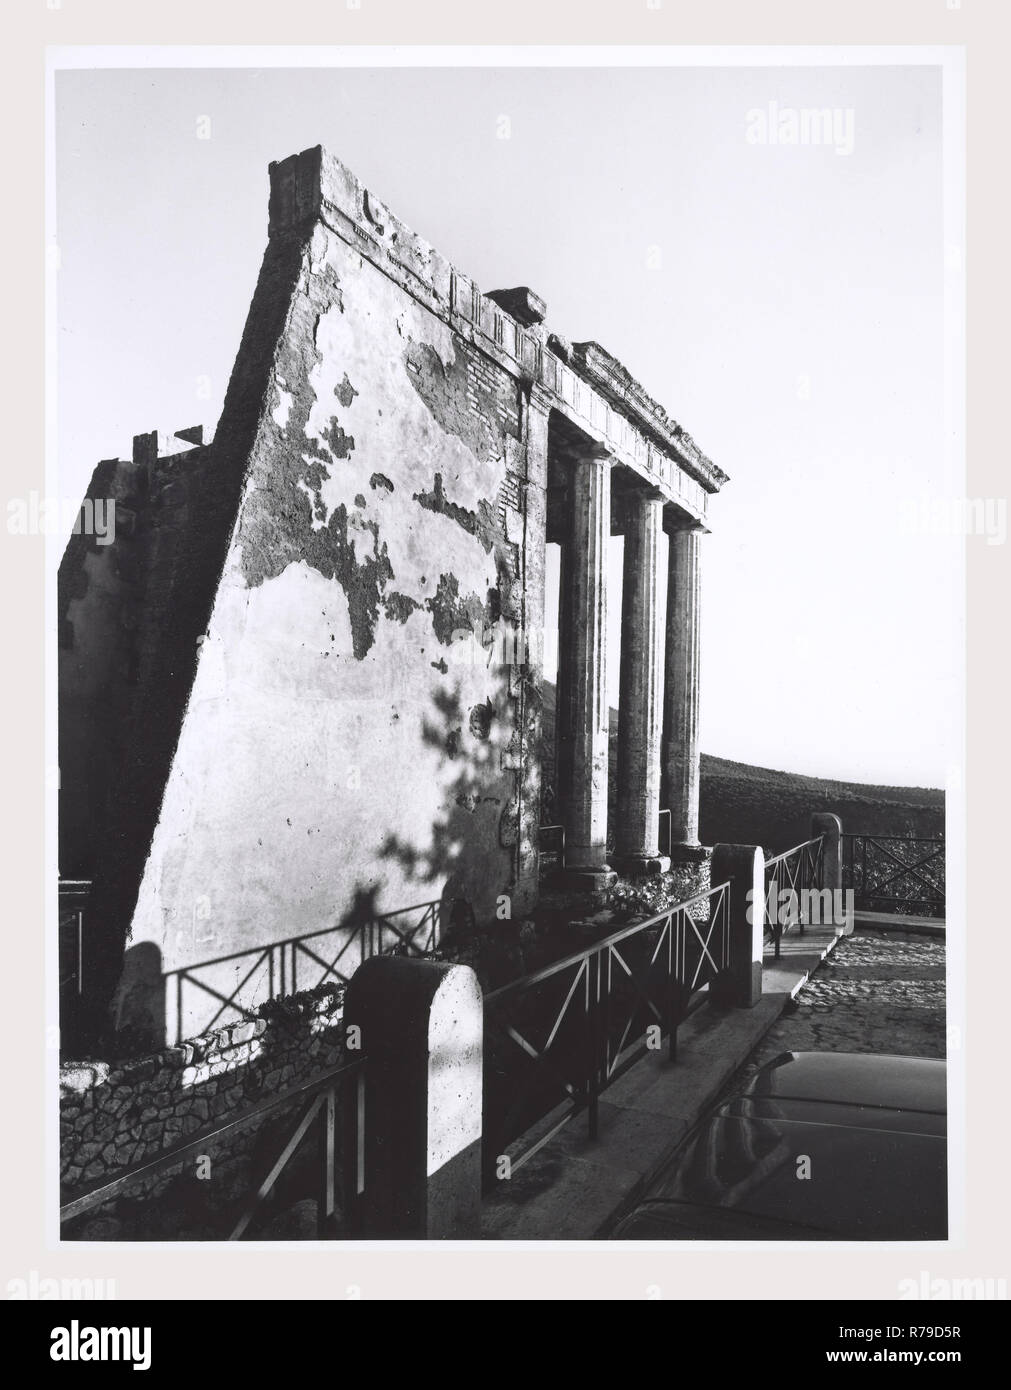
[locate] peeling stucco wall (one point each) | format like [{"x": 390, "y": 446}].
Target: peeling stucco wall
[
  {"x": 343, "y": 750},
  {"x": 271, "y": 718},
  {"x": 287, "y": 706}
]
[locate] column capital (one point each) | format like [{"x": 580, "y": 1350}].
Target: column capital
[
  {"x": 596, "y": 453},
  {"x": 630, "y": 506},
  {"x": 646, "y": 492},
  {"x": 539, "y": 396},
  {"x": 676, "y": 520}
]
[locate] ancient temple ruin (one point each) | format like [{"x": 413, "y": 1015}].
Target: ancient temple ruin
[{"x": 281, "y": 716}]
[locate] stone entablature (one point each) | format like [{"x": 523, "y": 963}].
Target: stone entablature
[
  {"x": 592, "y": 389},
  {"x": 616, "y": 383}
]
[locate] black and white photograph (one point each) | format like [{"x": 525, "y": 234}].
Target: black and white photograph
[
  {"x": 507, "y": 527},
  {"x": 506, "y": 579}
]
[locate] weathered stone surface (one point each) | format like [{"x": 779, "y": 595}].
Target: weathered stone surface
[
  {"x": 76, "y": 1080},
  {"x": 643, "y": 630},
  {"x": 319, "y": 591},
  {"x": 680, "y": 754},
  {"x": 522, "y": 304},
  {"x": 617, "y": 384},
  {"x": 583, "y": 704},
  {"x": 875, "y": 993},
  {"x": 422, "y": 1023},
  {"x": 739, "y": 984}
]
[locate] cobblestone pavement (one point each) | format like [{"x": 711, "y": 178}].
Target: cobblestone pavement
[{"x": 875, "y": 993}]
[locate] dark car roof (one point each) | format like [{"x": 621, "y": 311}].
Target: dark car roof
[
  {"x": 869, "y": 1132},
  {"x": 855, "y": 1078}
]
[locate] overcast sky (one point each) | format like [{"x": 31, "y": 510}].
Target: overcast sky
[{"x": 783, "y": 302}]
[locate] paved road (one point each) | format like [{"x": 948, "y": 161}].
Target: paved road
[{"x": 874, "y": 993}]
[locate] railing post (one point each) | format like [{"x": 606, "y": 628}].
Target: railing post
[
  {"x": 594, "y": 1033},
  {"x": 771, "y": 891},
  {"x": 421, "y": 1025},
  {"x": 675, "y": 927},
  {"x": 740, "y": 985},
  {"x": 830, "y": 828},
  {"x": 327, "y": 1160}
]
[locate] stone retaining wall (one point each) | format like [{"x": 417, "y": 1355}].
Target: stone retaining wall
[{"x": 116, "y": 1115}]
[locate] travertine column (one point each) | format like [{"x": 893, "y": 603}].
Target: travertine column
[
  {"x": 640, "y": 704},
  {"x": 680, "y": 787},
  {"x": 583, "y": 723},
  {"x": 563, "y": 701}
]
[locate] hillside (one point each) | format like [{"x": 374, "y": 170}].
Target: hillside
[{"x": 742, "y": 804}]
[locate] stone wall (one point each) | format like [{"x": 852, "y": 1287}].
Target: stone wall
[
  {"x": 114, "y": 1116},
  {"x": 344, "y": 750},
  {"x": 314, "y": 736},
  {"x": 108, "y": 606},
  {"x": 312, "y": 726}
]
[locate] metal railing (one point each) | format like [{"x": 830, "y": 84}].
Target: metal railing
[
  {"x": 795, "y": 871},
  {"x": 551, "y": 847},
  {"x": 338, "y": 1090},
  {"x": 562, "y": 1035},
  {"x": 74, "y": 897},
  {"x": 281, "y": 968},
  {"x": 896, "y": 873}
]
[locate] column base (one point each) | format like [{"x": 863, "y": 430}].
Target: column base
[
  {"x": 690, "y": 852},
  {"x": 641, "y": 865},
  {"x": 593, "y": 879}
]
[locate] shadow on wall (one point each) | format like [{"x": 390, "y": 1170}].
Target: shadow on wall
[
  {"x": 468, "y": 856},
  {"x": 139, "y": 1003},
  {"x": 154, "y": 1008},
  {"x": 471, "y": 852}
]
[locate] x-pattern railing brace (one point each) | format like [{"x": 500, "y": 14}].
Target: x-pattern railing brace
[
  {"x": 705, "y": 947},
  {"x": 227, "y": 1002},
  {"x": 543, "y": 1058},
  {"x": 640, "y": 986},
  {"x": 903, "y": 869},
  {"x": 608, "y": 973},
  {"x": 869, "y": 855},
  {"x": 272, "y": 956}
]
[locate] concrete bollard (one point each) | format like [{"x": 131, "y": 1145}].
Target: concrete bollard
[
  {"x": 740, "y": 985},
  {"x": 823, "y": 823},
  {"x": 422, "y": 1025}
]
